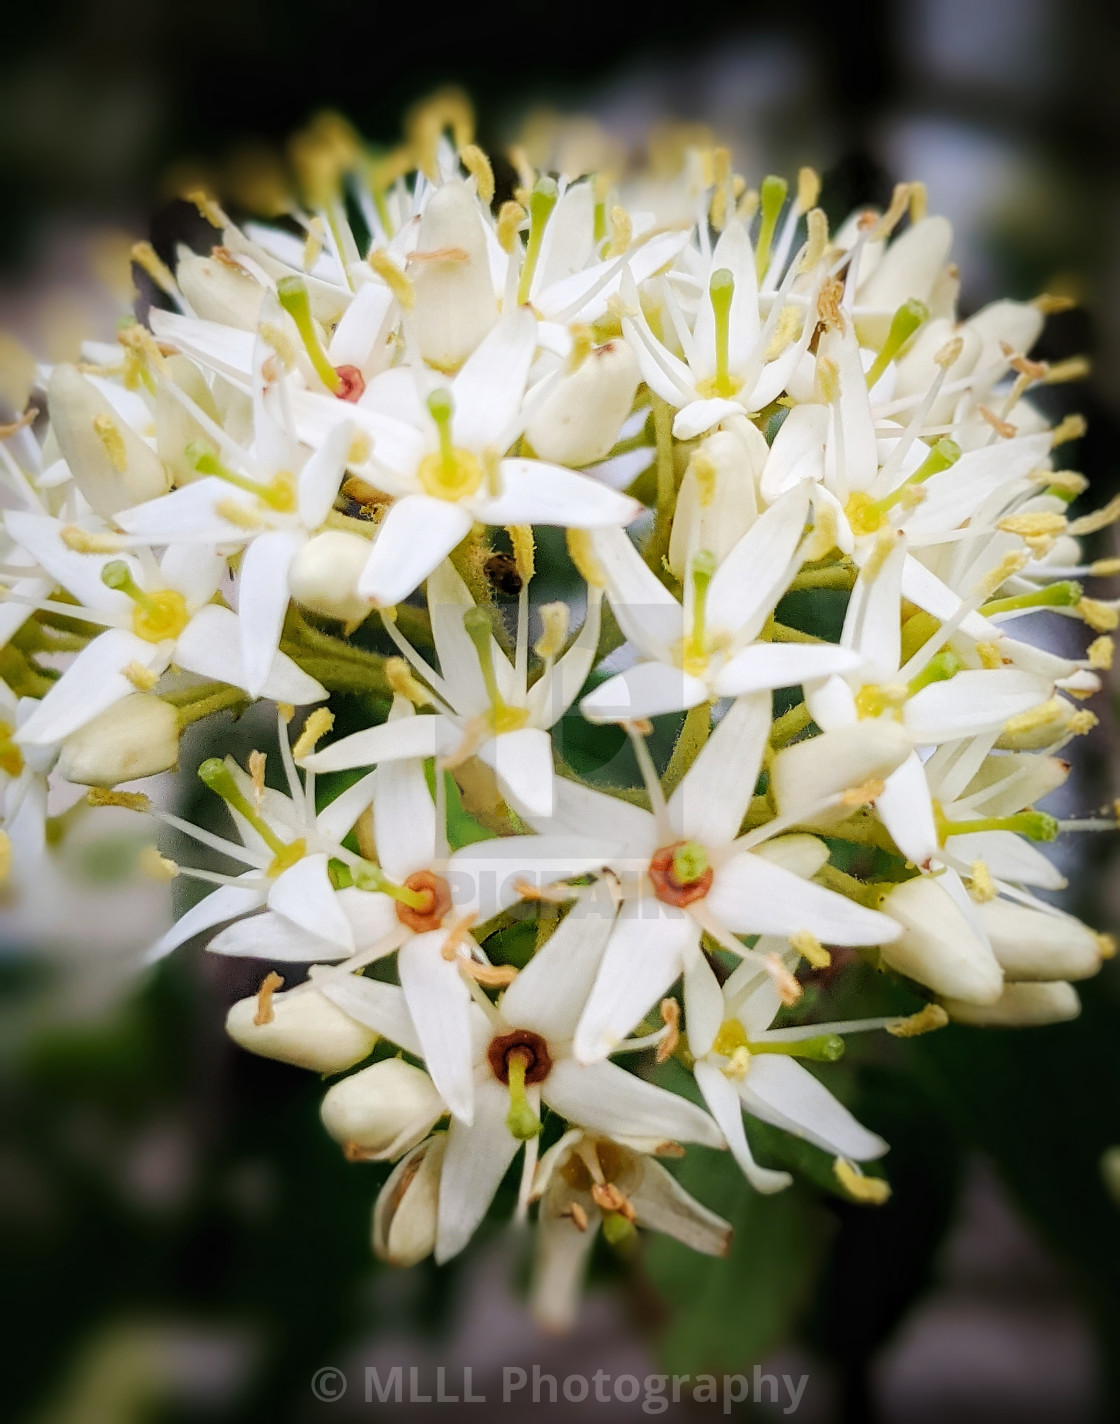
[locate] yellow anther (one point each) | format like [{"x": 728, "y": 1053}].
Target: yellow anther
[
  {"x": 510, "y": 217},
  {"x": 1100, "y": 653},
  {"x": 1076, "y": 368},
  {"x": 1033, "y": 525},
  {"x": 828, "y": 377},
  {"x": 256, "y": 768},
  {"x": 426, "y": 122},
  {"x": 521, "y": 537},
  {"x": 313, "y": 243},
  {"x": 703, "y": 470},
  {"x": 286, "y": 712},
  {"x": 234, "y": 512},
  {"x": 491, "y": 976},
  {"x": 400, "y": 678},
  {"x": 983, "y": 887},
  {"x": 949, "y": 354},
  {"x": 1012, "y": 563},
  {"x": 1063, "y": 482},
  {"x": 1003, "y": 428},
  {"x": 900, "y": 201},
  {"x": 555, "y": 620},
  {"x": 268, "y": 986},
  {"x": 926, "y": 1020},
  {"x": 108, "y": 432},
  {"x": 810, "y": 949},
  {"x": 149, "y": 261},
  {"x": 84, "y": 541},
  {"x": 398, "y": 282},
  {"x": 918, "y": 202},
  {"x": 207, "y": 206},
  {"x": 1101, "y": 617},
  {"x": 786, "y": 332},
  {"x": 583, "y": 343},
  {"x": 738, "y": 1064},
  {"x": 989, "y": 655},
  {"x": 1083, "y": 722},
  {"x": 5, "y": 856},
  {"x": 284, "y": 350},
  {"x": 816, "y": 243},
  {"x": 748, "y": 205},
  {"x": 1106, "y": 944},
  {"x": 1098, "y": 519},
  {"x": 808, "y": 189},
  {"x": 670, "y": 1012},
  {"x": 1051, "y": 303},
  {"x": 863, "y": 795},
  {"x": 789, "y": 990},
  {"x": 622, "y": 232},
  {"x": 717, "y": 210},
  {"x": 826, "y": 532},
  {"x": 478, "y": 165},
  {"x": 143, "y": 679},
  {"x": 315, "y": 728},
  {"x": 581, "y": 551},
  {"x": 1073, "y": 427},
  {"x": 871, "y": 1191},
  {"x": 127, "y": 800},
  {"x": 156, "y": 866}
]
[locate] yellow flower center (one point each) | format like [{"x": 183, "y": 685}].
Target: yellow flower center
[{"x": 453, "y": 474}]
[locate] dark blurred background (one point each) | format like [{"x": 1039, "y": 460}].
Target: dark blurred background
[{"x": 183, "y": 1241}]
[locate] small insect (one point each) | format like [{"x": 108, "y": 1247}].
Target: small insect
[{"x": 501, "y": 570}]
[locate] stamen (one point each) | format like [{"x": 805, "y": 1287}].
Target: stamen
[
  {"x": 292, "y": 292},
  {"x": 927, "y": 1020},
  {"x": 771, "y": 197},
  {"x": 269, "y": 985},
  {"x": 721, "y": 291},
  {"x": 670, "y": 1012},
  {"x": 905, "y": 322},
  {"x": 314, "y": 729},
  {"x": 810, "y": 949},
  {"x": 214, "y": 774},
  {"x": 872, "y": 1191},
  {"x": 542, "y": 200}
]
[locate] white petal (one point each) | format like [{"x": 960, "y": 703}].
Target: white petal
[
  {"x": 523, "y": 763},
  {"x": 764, "y": 666},
  {"x": 709, "y": 804},
  {"x": 195, "y": 573},
  {"x": 780, "y": 1091},
  {"x": 703, "y": 1004},
  {"x": 485, "y": 877},
  {"x": 721, "y": 1097},
  {"x": 322, "y": 474},
  {"x": 647, "y": 612},
  {"x": 645, "y": 954},
  {"x": 751, "y": 895},
  {"x": 304, "y": 894},
  {"x": 476, "y": 1160},
  {"x": 744, "y": 588},
  {"x": 440, "y": 1003},
  {"x": 391, "y": 741},
  {"x": 645, "y": 690},
  {"x": 972, "y": 702},
  {"x": 628, "y": 830},
  {"x": 549, "y": 994},
  {"x": 263, "y": 599},
  {"x": 379, "y": 1006},
  {"x": 273, "y": 936},
  {"x": 210, "y": 644},
  {"x": 607, "y": 1099},
  {"x": 93, "y": 682},
  {"x": 488, "y": 390},
  {"x": 80, "y": 574},
  {"x": 189, "y": 514},
  {"x": 416, "y": 535},
  {"x": 662, "y": 1204},
  {"x": 700, "y": 415},
  {"x": 225, "y": 903},
  {"x": 1008, "y": 857},
  {"x": 537, "y": 493},
  {"x": 404, "y": 819},
  {"x": 552, "y": 695},
  {"x": 907, "y": 811}
]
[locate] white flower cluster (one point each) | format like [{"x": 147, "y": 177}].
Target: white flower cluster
[{"x": 321, "y": 468}]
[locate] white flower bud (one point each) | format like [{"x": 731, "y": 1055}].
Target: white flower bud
[
  {"x": 304, "y": 1029},
  {"x": 324, "y": 575},
  {"x": 404, "y": 1215},
  {"x": 1019, "y": 1006},
  {"x": 909, "y": 269},
  {"x": 382, "y": 1110},
  {"x": 579, "y": 419},
  {"x": 1005, "y": 323},
  {"x": 1033, "y": 944},
  {"x": 802, "y": 854},
  {"x": 716, "y": 505},
  {"x": 455, "y": 304},
  {"x": 938, "y": 946},
  {"x": 844, "y": 759},
  {"x": 110, "y": 463},
  {"x": 176, "y": 427},
  {"x": 136, "y": 737},
  {"x": 218, "y": 291}
]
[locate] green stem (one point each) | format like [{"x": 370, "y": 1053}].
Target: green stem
[{"x": 694, "y": 733}]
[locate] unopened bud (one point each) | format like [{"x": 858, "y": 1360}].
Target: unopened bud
[
  {"x": 807, "y": 772},
  {"x": 938, "y": 946},
  {"x": 455, "y": 305},
  {"x": 383, "y": 1110},
  {"x": 1020, "y": 1006},
  {"x": 716, "y": 505},
  {"x": 404, "y": 1215},
  {"x": 1038, "y": 945},
  {"x": 579, "y": 420},
  {"x": 302, "y": 1028},
  {"x": 110, "y": 463},
  {"x": 220, "y": 291},
  {"x": 324, "y": 575},
  {"x": 136, "y": 737}
]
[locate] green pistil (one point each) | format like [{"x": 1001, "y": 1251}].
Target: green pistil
[
  {"x": 441, "y": 407},
  {"x": 941, "y": 457},
  {"x": 292, "y": 292},
  {"x": 940, "y": 668},
  {"x": 202, "y": 458},
  {"x": 771, "y": 197},
  {"x": 503, "y": 718},
  {"x": 118, "y": 576},
  {"x": 618, "y": 1230},
  {"x": 1065, "y": 594},
  {"x": 690, "y": 861},
  {"x": 367, "y": 876},
  {"x": 1035, "y": 825},
  {"x": 721, "y": 289},
  {"x": 905, "y": 322},
  {"x": 824, "y": 1048},
  {"x": 521, "y": 1120},
  {"x": 703, "y": 567},
  {"x": 542, "y": 200},
  {"x": 214, "y": 774}
]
